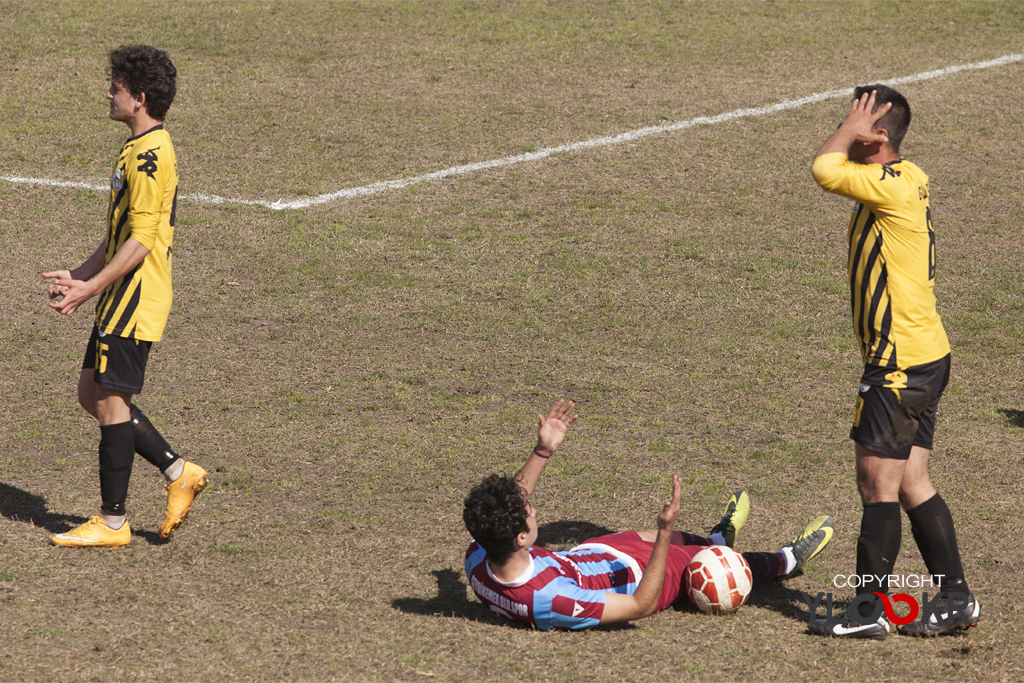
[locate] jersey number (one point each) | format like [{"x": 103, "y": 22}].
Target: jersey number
[{"x": 101, "y": 356}]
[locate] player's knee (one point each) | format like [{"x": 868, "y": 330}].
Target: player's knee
[
  {"x": 867, "y": 486},
  {"x": 875, "y": 489},
  {"x": 915, "y": 492}
]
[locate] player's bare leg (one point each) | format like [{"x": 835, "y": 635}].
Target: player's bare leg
[
  {"x": 878, "y": 477},
  {"x": 87, "y": 391},
  {"x": 916, "y": 487}
]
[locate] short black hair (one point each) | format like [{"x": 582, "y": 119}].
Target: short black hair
[
  {"x": 145, "y": 69},
  {"x": 495, "y": 513},
  {"x": 897, "y": 120}
]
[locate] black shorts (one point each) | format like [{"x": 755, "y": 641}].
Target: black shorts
[
  {"x": 121, "y": 362},
  {"x": 896, "y": 409}
]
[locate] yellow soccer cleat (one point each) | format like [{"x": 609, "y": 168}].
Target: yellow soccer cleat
[
  {"x": 811, "y": 541},
  {"x": 181, "y": 493},
  {"x": 94, "y": 533},
  {"x": 733, "y": 517}
]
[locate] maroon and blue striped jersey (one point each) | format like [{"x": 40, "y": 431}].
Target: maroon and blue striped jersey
[{"x": 559, "y": 590}]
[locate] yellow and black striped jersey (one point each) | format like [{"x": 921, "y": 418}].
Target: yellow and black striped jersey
[
  {"x": 143, "y": 201},
  {"x": 891, "y": 264}
]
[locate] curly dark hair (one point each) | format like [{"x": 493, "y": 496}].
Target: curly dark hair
[
  {"x": 145, "y": 69},
  {"x": 897, "y": 120},
  {"x": 495, "y": 514}
]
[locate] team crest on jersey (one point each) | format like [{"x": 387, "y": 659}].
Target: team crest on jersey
[{"x": 118, "y": 181}]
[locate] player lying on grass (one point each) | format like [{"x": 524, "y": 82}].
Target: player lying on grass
[{"x": 606, "y": 580}]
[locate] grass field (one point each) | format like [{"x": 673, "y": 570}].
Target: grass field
[{"x": 348, "y": 371}]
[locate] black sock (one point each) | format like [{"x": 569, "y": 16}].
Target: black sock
[
  {"x": 149, "y": 443},
  {"x": 881, "y": 532},
  {"x": 117, "y": 453},
  {"x": 932, "y": 525},
  {"x": 694, "y": 539},
  {"x": 764, "y": 566}
]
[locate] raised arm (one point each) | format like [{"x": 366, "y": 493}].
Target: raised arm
[
  {"x": 858, "y": 126},
  {"x": 644, "y": 601},
  {"x": 550, "y": 434}
]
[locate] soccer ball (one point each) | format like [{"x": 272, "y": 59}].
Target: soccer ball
[{"x": 718, "y": 580}]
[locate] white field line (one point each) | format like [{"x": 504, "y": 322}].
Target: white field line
[{"x": 628, "y": 136}]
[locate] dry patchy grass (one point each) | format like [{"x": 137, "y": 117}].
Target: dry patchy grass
[{"x": 347, "y": 372}]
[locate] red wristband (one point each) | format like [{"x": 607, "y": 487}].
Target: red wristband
[{"x": 541, "y": 455}]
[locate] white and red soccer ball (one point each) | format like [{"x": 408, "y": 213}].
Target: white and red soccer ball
[{"x": 718, "y": 580}]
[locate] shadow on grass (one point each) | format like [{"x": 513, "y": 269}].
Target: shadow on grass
[
  {"x": 786, "y": 601},
  {"x": 1014, "y": 417},
  {"x": 22, "y": 506},
  {"x": 570, "y": 532},
  {"x": 151, "y": 537},
  {"x": 451, "y": 600}
]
